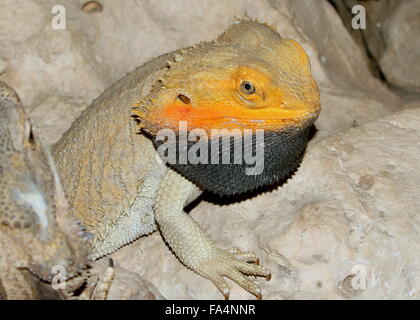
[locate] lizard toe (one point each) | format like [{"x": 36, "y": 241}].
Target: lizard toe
[
  {"x": 235, "y": 265},
  {"x": 244, "y": 256}
]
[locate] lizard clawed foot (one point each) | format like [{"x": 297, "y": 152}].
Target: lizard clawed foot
[
  {"x": 98, "y": 287},
  {"x": 103, "y": 285},
  {"x": 234, "y": 265}
]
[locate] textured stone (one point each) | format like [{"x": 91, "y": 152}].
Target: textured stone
[
  {"x": 126, "y": 285},
  {"x": 401, "y": 57},
  {"x": 3, "y": 65},
  {"x": 391, "y": 38}
]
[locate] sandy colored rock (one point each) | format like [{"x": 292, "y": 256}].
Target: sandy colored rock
[
  {"x": 3, "y": 65},
  {"x": 126, "y": 285},
  {"x": 391, "y": 38},
  {"x": 402, "y": 53}
]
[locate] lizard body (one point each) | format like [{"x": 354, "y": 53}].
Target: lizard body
[
  {"x": 37, "y": 232},
  {"x": 248, "y": 78}
]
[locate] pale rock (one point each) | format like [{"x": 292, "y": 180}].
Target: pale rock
[
  {"x": 3, "y": 65},
  {"x": 400, "y": 60},
  {"x": 126, "y": 285},
  {"x": 391, "y": 38}
]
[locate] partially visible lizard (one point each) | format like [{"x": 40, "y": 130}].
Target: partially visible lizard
[
  {"x": 38, "y": 236},
  {"x": 248, "y": 78}
]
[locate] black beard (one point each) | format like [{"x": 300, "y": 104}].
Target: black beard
[{"x": 283, "y": 152}]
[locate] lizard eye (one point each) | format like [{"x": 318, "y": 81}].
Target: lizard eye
[{"x": 247, "y": 87}]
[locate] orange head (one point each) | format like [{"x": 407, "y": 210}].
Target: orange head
[{"x": 248, "y": 78}]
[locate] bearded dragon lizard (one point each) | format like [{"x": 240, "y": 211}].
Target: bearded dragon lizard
[
  {"x": 37, "y": 232},
  {"x": 114, "y": 176}
]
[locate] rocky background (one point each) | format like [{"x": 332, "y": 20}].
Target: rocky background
[{"x": 347, "y": 225}]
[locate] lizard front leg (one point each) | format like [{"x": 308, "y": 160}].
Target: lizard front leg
[{"x": 193, "y": 247}]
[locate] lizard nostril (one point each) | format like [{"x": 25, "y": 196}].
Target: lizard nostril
[{"x": 184, "y": 98}]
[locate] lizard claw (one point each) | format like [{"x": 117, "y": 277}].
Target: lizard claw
[{"x": 234, "y": 265}]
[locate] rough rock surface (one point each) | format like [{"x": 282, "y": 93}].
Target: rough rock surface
[
  {"x": 126, "y": 284},
  {"x": 402, "y": 38},
  {"x": 349, "y": 209},
  {"x": 392, "y": 38}
]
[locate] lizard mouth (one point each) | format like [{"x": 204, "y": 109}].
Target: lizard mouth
[{"x": 272, "y": 118}]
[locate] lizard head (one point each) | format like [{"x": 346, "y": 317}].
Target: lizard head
[{"x": 249, "y": 78}]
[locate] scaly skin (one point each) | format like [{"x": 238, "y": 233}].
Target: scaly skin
[
  {"x": 36, "y": 229},
  {"x": 113, "y": 176}
]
